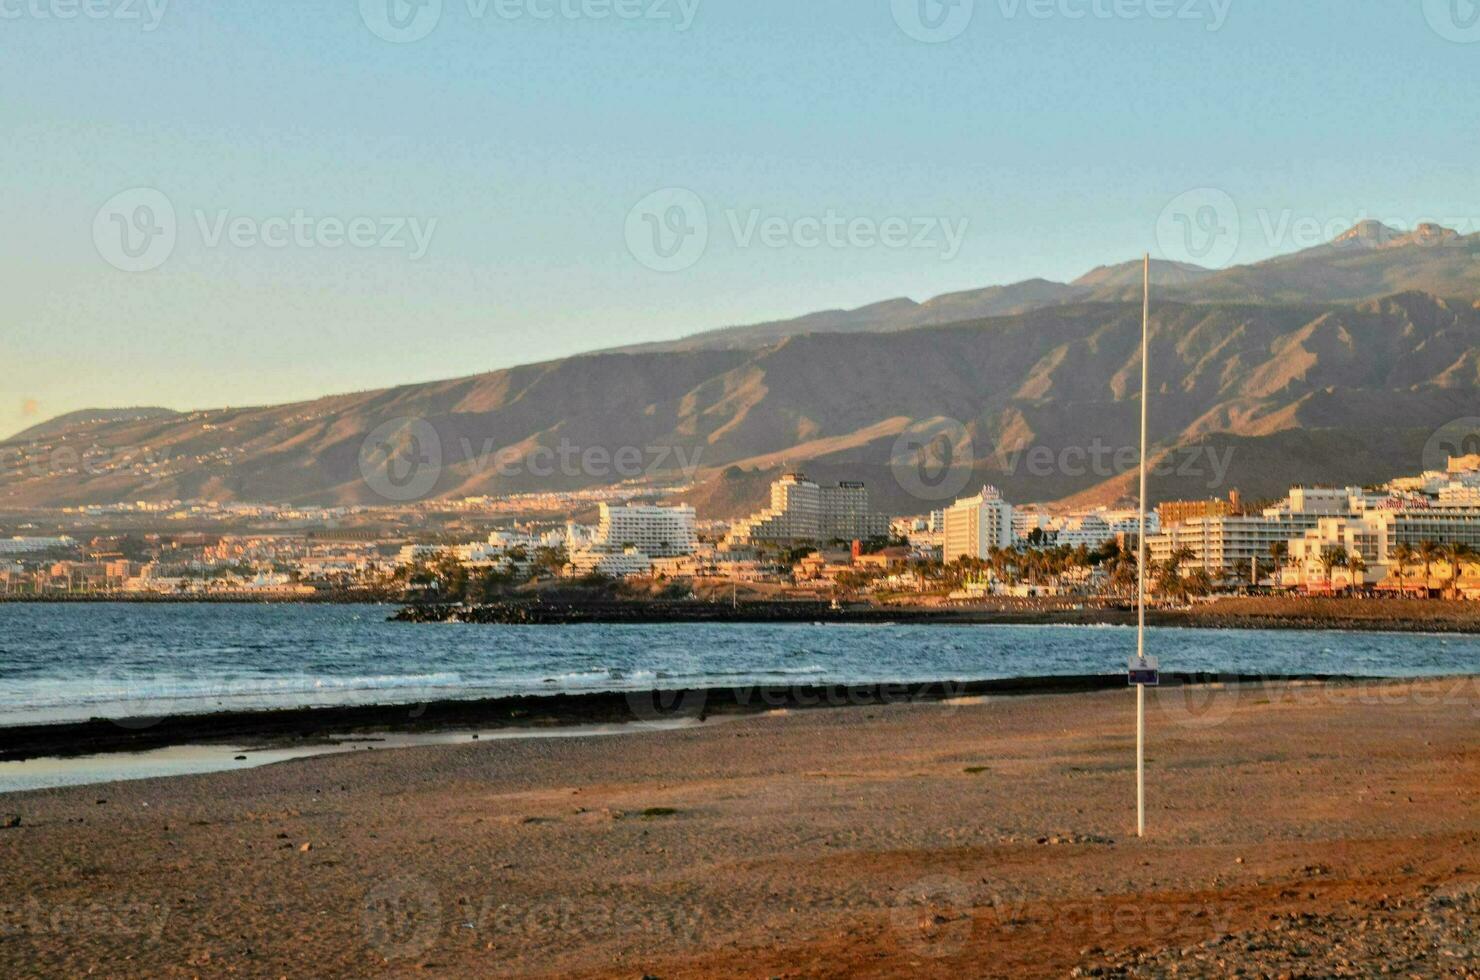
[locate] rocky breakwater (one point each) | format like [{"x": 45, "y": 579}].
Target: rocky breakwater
[{"x": 564, "y": 612}]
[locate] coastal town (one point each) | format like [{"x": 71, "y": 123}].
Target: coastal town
[{"x": 1415, "y": 536}]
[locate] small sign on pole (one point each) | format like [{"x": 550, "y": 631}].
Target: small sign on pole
[{"x": 1143, "y": 672}]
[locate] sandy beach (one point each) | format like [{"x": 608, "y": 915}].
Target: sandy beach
[{"x": 1302, "y": 830}]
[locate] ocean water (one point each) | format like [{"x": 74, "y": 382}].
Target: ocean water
[{"x": 76, "y": 661}]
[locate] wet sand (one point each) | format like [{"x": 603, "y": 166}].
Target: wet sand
[{"x": 1292, "y": 827}]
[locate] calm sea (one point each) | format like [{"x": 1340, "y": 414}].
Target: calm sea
[{"x": 114, "y": 660}]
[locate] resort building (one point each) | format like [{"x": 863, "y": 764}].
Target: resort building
[
  {"x": 1314, "y": 522},
  {"x": 804, "y": 512},
  {"x": 630, "y": 536},
  {"x": 1175, "y": 512},
  {"x": 613, "y": 564},
  {"x": 1231, "y": 546},
  {"x": 658, "y": 532},
  {"x": 1097, "y": 528},
  {"x": 1026, "y": 520},
  {"x": 976, "y": 525},
  {"x": 1227, "y": 546},
  {"x": 1374, "y": 536}
]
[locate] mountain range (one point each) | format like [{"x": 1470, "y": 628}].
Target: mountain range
[{"x": 1335, "y": 364}]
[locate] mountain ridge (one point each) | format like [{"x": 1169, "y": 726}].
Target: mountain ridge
[{"x": 1278, "y": 385}]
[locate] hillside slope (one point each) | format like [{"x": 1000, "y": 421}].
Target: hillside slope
[{"x": 1251, "y": 396}]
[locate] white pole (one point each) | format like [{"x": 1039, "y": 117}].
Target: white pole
[
  {"x": 1141, "y": 554},
  {"x": 1140, "y": 760}
]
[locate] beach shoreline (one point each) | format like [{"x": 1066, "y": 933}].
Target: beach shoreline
[
  {"x": 1316, "y": 829},
  {"x": 280, "y": 727}
]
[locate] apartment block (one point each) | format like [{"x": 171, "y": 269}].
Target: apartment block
[
  {"x": 804, "y": 512},
  {"x": 976, "y": 525}
]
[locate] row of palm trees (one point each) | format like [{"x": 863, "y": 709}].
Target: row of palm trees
[
  {"x": 1455, "y": 554},
  {"x": 1170, "y": 577},
  {"x": 1035, "y": 565}
]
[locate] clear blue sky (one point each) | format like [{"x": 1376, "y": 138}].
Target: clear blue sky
[{"x": 1057, "y": 139}]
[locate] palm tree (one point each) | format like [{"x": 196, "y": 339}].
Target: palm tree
[
  {"x": 1402, "y": 557},
  {"x": 1332, "y": 558},
  {"x": 1169, "y": 578},
  {"x": 1357, "y": 565},
  {"x": 1428, "y": 552},
  {"x": 1456, "y": 554}
]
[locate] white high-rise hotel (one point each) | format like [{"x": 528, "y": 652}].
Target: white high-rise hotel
[
  {"x": 976, "y": 525},
  {"x": 804, "y": 511},
  {"x": 630, "y": 536},
  {"x": 658, "y": 532}
]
